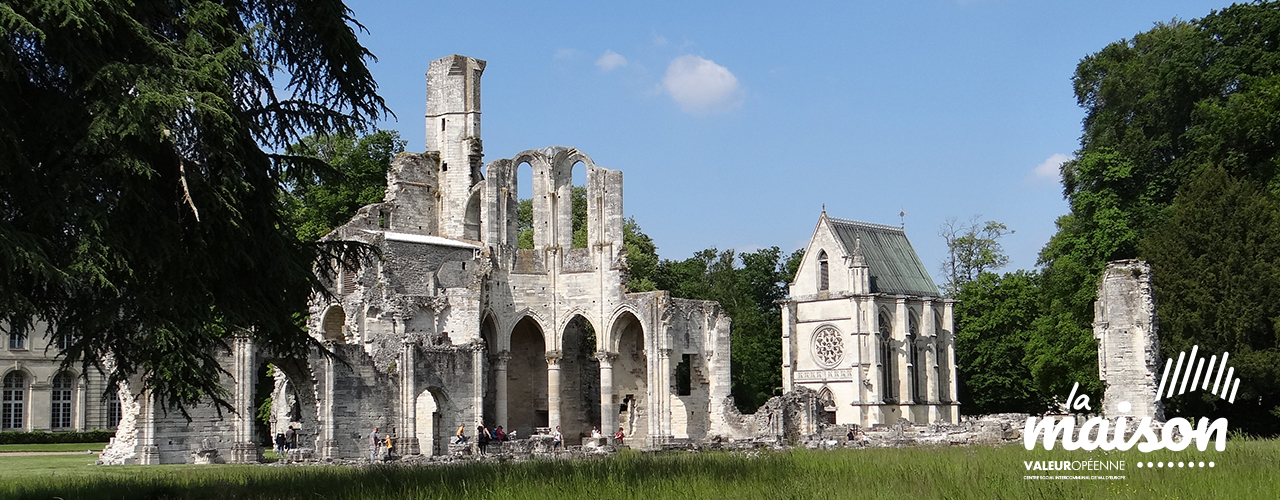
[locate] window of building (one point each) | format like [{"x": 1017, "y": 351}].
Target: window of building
[
  {"x": 684, "y": 379},
  {"x": 113, "y": 411},
  {"x": 64, "y": 341},
  {"x": 17, "y": 337},
  {"x": 60, "y": 414},
  {"x": 913, "y": 351},
  {"x": 888, "y": 361},
  {"x": 944, "y": 372},
  {"x": 823, "y": 276},
  {"x": 13, "y": 402}
]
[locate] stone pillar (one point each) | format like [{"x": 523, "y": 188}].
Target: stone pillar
[
  {"x": 408, "y": 400},
  {"x": 500, "y": 379},
  {"x": 930, "y": 369},
  {"x": 608, "y": 404},
  {"x": 904, "y": 356},
  {"x": 948, "y": 325},
  {"x": 553, "y": 389},
  {"x": 1124, "y": 323},
  {"x": 660, "y": 416},
  {"x": 787, "y": 368},
  {"x": 327, "y": 431},
  {"x": 244, "y": 450}
]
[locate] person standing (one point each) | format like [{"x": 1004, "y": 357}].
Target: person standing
[
  {"x": 482, "y": 438},
  {"x": 373, "y": 445},
  {"x": 618, "y": 436},
  {"x": 460, "y": 436},
  {"x": 291, "y": 438},
  {"x": 557, "y": 439}
]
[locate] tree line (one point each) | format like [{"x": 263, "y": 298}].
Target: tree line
[{"x": 1178, "y": 166}]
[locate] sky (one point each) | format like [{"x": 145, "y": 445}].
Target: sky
[{"x": 734, "y": 123}]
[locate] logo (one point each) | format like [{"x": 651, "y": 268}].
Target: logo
[{"x": 1176, "y": 434}]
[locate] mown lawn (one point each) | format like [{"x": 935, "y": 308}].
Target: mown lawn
[
  {"x": 53, "y": 447},
  {"x": 1247, "y": 469}
]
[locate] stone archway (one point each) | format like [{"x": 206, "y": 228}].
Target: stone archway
[
  {"x": 331, "y": 326},
  {"x": 579, "y": 380},
  {"x": 293, "y": 400},
  {"x": 430, "y": 416},
  {"x": 527, "y": 379},
  {"x": 631, "y": 378}
]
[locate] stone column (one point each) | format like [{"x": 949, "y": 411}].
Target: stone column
[
  {"x": 608, "y": 405},
  {"x": 244, "y": 450},
  {"x": 500, "y": 381},
  {"x": 660, "y": 416},
  {"x": 948, "y": 325},
  {"x": 553, "y": 389},
  {"x": 904, "y": 356},
  {"x": 327, "y": 431},
  {"x": 930, "y": 369},
  {"x": 408, "y": 400}
]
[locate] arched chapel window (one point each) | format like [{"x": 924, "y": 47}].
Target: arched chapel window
[
  {"x": 888, "y": 361},
  {"x": 823, "y": 282},
  {"x": 13, "y": 402},
  {"x": 913, "y": 350},
  {"x": 944, "y": 370}
]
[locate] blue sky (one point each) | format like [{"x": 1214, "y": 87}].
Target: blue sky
[{"x": 734, "y": 122}]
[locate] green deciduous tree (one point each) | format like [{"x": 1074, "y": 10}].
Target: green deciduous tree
[
  {"x": 318, "y": 203},
  {"x": 747, "y": 292},
  {"x": 994, "y": 323},
  {"x": 973, "y": 248},
  {"x": 1160, "y": 108},
  {"x": 139, "y": 185}
]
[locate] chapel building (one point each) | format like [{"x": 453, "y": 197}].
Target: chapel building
[{"x": 868, "y": 330}]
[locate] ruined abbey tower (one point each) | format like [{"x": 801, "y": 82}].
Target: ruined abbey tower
[{"x": 453, "y": 324}]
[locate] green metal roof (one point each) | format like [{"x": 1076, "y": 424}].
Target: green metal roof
[{"x": 895, "y": 267}]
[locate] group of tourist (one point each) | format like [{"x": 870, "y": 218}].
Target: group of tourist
[
  {"x": 379, "y": 443},
  {"x": 286, "y": 440}
]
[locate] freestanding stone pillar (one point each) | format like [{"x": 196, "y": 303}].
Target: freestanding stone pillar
[
  {"x": 1125, "y": 324},
  {"x": 553, "y": 389},
  {"x": 244, "y": 450},
  {"x": 608, "y": 407},
  {"x": 500, "y": 380}
]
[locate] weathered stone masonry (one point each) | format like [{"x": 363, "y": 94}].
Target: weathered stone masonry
[{"x": 453, "y": 325}]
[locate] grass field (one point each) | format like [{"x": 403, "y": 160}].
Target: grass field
[
  {"x": 53, "y": 447},
  {"x": 1247, "y": 469}
]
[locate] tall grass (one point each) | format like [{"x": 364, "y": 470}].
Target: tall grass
[{"x": 1247, "y": 469}]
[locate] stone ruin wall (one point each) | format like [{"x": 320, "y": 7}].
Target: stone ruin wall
[{"x": 1126, "y": 327}]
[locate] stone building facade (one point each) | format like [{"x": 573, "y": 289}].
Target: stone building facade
[
  {"x": 37, "y": 394},
  {"x": 453, "y": 325},
  {"x": 1126, "y": 327},
  {"x": 866, "y": 329}
]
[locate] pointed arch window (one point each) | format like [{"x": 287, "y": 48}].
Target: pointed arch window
[
  {"x": 913, "y": 353},
  {"x": 888, "y": 360},
  {"x": 944, "y": 369},
  {"x": 823, "y": 281}
]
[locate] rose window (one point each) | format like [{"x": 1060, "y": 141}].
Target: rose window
[{"x": 828, "y": 347}]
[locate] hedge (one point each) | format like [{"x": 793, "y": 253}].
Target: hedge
[{"x": 41, "y": 437}]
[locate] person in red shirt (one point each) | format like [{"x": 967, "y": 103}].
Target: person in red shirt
[{"x": 618, "y": 437}]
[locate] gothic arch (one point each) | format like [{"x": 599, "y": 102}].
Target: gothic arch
[
  {"x": 609, "y": 338},
  {"x": 332, "y": 322}
]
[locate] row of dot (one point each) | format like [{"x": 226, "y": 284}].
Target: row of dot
[{"x": 1150, "y": 465}]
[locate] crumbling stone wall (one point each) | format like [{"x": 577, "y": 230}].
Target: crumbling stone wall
[{"x": 1125, "y": 325}]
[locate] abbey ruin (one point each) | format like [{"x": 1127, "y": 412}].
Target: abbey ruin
[{"x": 454, "y": 325}]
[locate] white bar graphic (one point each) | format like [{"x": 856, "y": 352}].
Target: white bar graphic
[
  {"x": 1176, "y": 371},
  {"x": 1209, "y": 372},
  {"x": 1230, "y": 371},
  {"x": 1234, "y": 386},
  {"x": 1168, "y": 363},
  {"x": 1186, "y": 376},
  {"x": 1196, "y": 379},
  {"x": 1222, "y": 366}
]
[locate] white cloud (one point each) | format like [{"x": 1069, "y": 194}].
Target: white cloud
[
  {"x": 566, "y": 54},
  {"x": 1050, "y": 168},
  {"x": 611, "y": 60},
  {"x": 659, "y": 40},
  {"x": 700, "y": 85}
]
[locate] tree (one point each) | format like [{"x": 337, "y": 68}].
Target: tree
[
  {"x": 317, "y": 204},
  {"x": 140, "y": 181},
  {"x": 973, "y": 248},
  {"x": 1159, "y": 109},
  {"x": 747, "y": 293},
  {"x": 1216, "y": 267},
  {"x": 994, "y": 323}
]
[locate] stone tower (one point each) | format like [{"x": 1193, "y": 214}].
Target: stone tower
[{"x": 453, "y": 129}]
